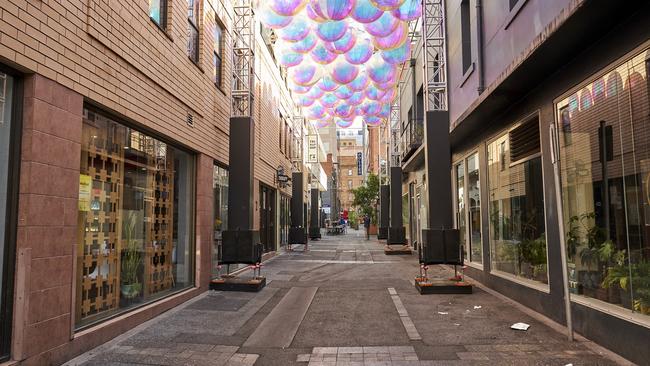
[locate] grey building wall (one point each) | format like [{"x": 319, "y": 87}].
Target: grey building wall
[{"x": 543, "y": 62}]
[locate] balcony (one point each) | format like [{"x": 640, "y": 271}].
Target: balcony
[{"x": 411, "y": 138}]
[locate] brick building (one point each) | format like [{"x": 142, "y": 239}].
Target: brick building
[{"x": 114, "y": 164}]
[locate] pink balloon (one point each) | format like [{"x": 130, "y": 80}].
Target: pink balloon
[
  {"x": 360, "y": 83},
  {"x": 313, "y": 15},
  {"x": 315, "y": 92},
  {"x": 373, "y": 93},
  {"x": 305, "y": 45},
  {"x": 342, "y": 45},
  {"x": 360, "y": 53},
  {"x": 365, "y": 12},
  {"x": 373, "y": 120},
  {"x": 343, "y": 111},
  {"x": 388, "y": 96},
  {"x": 271, "y": 19},
  {"x": 327, "y": 84},
  {"x": 343, "y": 72},
  {"x": 383, "y": 26},
  {"x": 322, "y": 55},
  {"x": 393, "y": 40},
  {"x": 409, "y": 10},
  {"x": 287, "y": 7},
  {"x": 343, "y": 92},
  {"x": 295, "y": 31},
  {"x": 397, "y": 55},
  {"x": 387, "y": 4},
  {"x": 356, "y": 99},
  {"x": 329, "y": 100},
  {"x": 343, "y": 123},
  {"x": 380, "y": 71},
  {"x": 333, "y": 9},
  {"x": 303, "y": 101},
  {"x": 331, "y": 31},
  {"x": 315, "y": 112},
  {"x": 305, "y": 74}
]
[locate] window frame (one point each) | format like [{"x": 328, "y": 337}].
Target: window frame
[
  {"x": 218, "y": 51},
  {"x": 196, "y": 7},
  {"x": 192, "y": 243},
  {"x": 593, "y": 303},
  {"x": 163, "y": 25},
  {"x": 539, "y": 286},
  {"x": 7, "y": 285},
  {"x": 463, "y": 160},
  {"x": 466, "y": 39},
  {"x": 514, "y": 11}
]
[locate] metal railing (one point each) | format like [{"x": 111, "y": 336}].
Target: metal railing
[{"x": 411, "y": 138}]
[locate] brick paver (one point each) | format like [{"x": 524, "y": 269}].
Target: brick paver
[{"x": 366, "y": 312}]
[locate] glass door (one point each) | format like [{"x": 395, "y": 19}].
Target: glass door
[{"x": 7, "y": 225}]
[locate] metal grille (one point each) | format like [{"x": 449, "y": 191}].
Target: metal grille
[
  {"x": 435, "y": 58},
  {"x": 243, "y": 81}
]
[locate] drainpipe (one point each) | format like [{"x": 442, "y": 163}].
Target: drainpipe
[{"x": 479, "y": 45}]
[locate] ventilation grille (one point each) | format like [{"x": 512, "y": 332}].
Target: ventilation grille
[
  {"x": 524, "y": 140},
  {"x": 190, "y": 119}
]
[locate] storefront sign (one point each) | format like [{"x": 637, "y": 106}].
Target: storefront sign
[
  {"x": 85, "y": 185},
  {"x": 359, "y": 163},
  {"x": 312, "y": 149}
]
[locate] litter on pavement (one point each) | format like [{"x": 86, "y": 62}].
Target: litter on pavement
[{"x": 520, "y": 326}]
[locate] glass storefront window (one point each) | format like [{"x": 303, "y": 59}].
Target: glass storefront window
[
  {"x": 6, "y": 101},
  {"x": 516, "y": 204},
  {"x": 220, "y": 207},
  {"x": 605, "y": 185},
  {"x": 285, "y": 219},
  {"x": 468, "y": 208},
  {"x": 135, "y": 219},
  {"x": 460, "y": 207}
]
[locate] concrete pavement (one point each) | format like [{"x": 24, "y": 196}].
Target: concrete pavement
[{"x": 343, "y": 303}]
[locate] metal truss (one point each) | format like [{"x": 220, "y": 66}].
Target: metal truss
[
  {"x": 243, "y": 69},
  {"x": 394, "y": 128},
  {"x": 435, "y": 56}
]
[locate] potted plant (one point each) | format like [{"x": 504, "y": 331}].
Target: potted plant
[
  {"x": 131, "y": 259},
  {"x": 533, "y": 251},
  {"x": 365, "y": 198}
]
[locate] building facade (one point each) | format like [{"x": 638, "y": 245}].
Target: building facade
[
  {"x": 114, "y": 164},
  {"x": 548, "y": 105}
]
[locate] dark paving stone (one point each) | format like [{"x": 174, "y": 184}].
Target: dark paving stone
[{"x": 218, "y": 303}]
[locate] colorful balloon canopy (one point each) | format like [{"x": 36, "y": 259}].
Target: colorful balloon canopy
[{"x": 342, "y": 56}]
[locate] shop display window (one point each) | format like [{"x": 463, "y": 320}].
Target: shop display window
[
  {"x": 468, "y": 208},
  {"x": 605, "y": 185},
  {"x": 220, "y": 207},
  {"x": 516, "y": 204},
  {"x": 135, "y": 239}
]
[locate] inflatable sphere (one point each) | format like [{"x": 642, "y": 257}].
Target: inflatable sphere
[{"x": 365, "y": 12}]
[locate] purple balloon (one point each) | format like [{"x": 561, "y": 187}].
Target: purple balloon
[
  {"x": 388, "y": 96},
  {"x": 383, "y": 26},
  {"x": 360, "y": 83},
  {"x": 289, "y": 58},
  {"x": 331, "y": 31},
  {"x": 380, "y": 71},
  {"x": 316, "y": 111},
  {"x": 360, "y": 53},
  {"x": 298, "y": 89},
  {"x": 387, "y": 4},
  {"x": 373, "y": 121},
  {"x": 365, "y": 12},
  {"x": 373, "y": 93},
  {"x": 384, "y": 112},
  {"x": 327, "y": 84},
  {"x": 343, "y": 111},
  {"x": 398, "y": 55},
  {"x": 343, "y": 92},
  {"x": 409, "y": 10},
  {"x": 305, "y": 45},
  {"x": 371, "y": 108},
  {"x": 287, "y": 7},
  {"x": 343, "y": 123},
  {"x": 393, "y": 40},
  {"x": 356, "y": 99},
  {"x": 333, "y": 9},
  {"x": 305, "y": 74},
  {"x": 329, "y": 100},
  {"x": 315, "y": 92},
  {"x": 342, "y": 45},
  {"x": 321, "y": 123},
  {"x": 321, "y": 55},
  {"x": 297, "y": 30},
  {"x": 271, "y": 19},
  {"x": 343, "y": 72},
  {"x": 313, "y": 15}
]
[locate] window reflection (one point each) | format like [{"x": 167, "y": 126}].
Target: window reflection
[{"x": 605, "y": 172}]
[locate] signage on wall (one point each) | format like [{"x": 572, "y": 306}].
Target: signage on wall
[
  {"x": 85, "y": 184},
  {"x": 312, "y": 149},
  {"x": 359, "y": 163}
]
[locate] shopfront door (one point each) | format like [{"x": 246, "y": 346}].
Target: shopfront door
[
  {"x": 9, "y": 135},
  {"x": 267, "y": 218}
]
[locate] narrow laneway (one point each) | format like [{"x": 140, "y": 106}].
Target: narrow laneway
[{"x": 341, "y": 303}]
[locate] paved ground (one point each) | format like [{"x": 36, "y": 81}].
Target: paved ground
[{"x": 342, "y": 303}]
